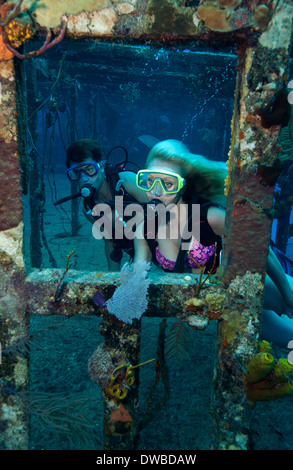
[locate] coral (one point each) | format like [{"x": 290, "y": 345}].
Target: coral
[
  {"x": 259, "y": 367},
  {"x": 267, "y": 379},
  {"x": 202, "y": 268},
  {"x": 209, "y": 308},
  {"x": 229, "y": 3},
  {"x": 103, "y": 363},
  {"x": 129, "y": 376},
  {"x": 262, "y": 16},
  {"x": 120, "y": 415},
  {"x": 277, "y": 112},
  {"x": 240, "y": 18},
  {"x": 194, "y": 304},
  {"x": 11, "y": 247},
  {"x": 129, "y": 300},
  {"x": 115, "y": 391},
  {"x": 112, "y": 371},
  {"x": 215, "y": 301},
  {"x": 58, "y": 289},
  {"x": 263, "y": 391},
  {"x": 17, "y": 31},
  {"x": 248, "y": 286},
  {"x": 5, "y": 54},
  {"x": 264, "y": 346},
  {"x": 119, "y": 391},
  {"x": 168, "y": 17},
  {"x": 126, "y": 379},
  {"x": 225, "y": 16},
  {"x": 68, "y": 416},
  {"x": 177, "y": 341},
  {"x": 214, "y": 18},
  {"x": 47, "y": 44},
  {"x": 282, "y": 371},
  {"x": 120, "y": 421},
  {"x": 199, "y": 322},
  {"x": 8, "y": 11},
  {"x": 124, "y": 8}
]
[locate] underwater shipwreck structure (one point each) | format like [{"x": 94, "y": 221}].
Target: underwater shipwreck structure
[{"x": 260, "y": 31}]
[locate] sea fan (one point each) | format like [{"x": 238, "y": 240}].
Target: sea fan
[
  {"x": 69, "y": 416},
  {"x": 129, "y": 300},
  {"x": 21, "y": 345}
]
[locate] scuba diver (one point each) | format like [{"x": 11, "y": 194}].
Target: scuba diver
[
  {"x": 173, "y": 175},
  {"x": 99, "y": 182}
]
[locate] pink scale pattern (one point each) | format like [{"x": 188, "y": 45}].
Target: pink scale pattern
[{"x": 200, "y": 253}]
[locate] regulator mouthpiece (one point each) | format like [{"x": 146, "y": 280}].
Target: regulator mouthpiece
[{"x": 86, "y": 191}]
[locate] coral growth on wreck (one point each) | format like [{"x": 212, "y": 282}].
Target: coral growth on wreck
[
  {"x": 266, "y": 378},
  {"x": 17, "y": 28},
  {"x": 130, "y": 298},
  {"x": 120, "y": 421},
  {"x": 227, "y": 16},
  {"x": 19, "y": 31},
  {"x": 104, "y": 369}
]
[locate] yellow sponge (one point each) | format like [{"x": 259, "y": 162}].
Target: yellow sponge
[{"x": 259, "y": 367}]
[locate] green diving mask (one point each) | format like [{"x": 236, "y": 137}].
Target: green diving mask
[
  {"x": 90, "y": 169},
  {"x": 159, "y": 181}
]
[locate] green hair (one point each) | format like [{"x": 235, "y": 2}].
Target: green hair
[{"x": 203, "y": 176}]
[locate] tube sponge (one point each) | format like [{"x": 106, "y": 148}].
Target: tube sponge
[
  {"x": 259, "y": 367},
  {"x": 264, "y": 346},
  {"x": 259, "y": 392},
  {"x": 283, "y": 371},
  {"x": 267, "y": 379}
]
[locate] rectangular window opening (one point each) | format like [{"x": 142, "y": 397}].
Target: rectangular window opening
[{"x": 127, "y": 95}]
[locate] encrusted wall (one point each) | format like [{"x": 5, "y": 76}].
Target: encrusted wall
[
  {"x": 10, "y": 199},
  {"x": 262, "y": 31},
  {"x": 13, "y": 322}
]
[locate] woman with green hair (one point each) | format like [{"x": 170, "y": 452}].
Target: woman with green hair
[
  {"x": 181, "y": 181},
  {"x": 176, "y": 178}
]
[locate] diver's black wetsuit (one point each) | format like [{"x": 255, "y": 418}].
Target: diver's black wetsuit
[{"x": 112, "y": 178}]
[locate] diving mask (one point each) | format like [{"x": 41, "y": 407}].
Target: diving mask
[
  {"x": 90, "y": 169},
  {"x": 159, "y": 181}
]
